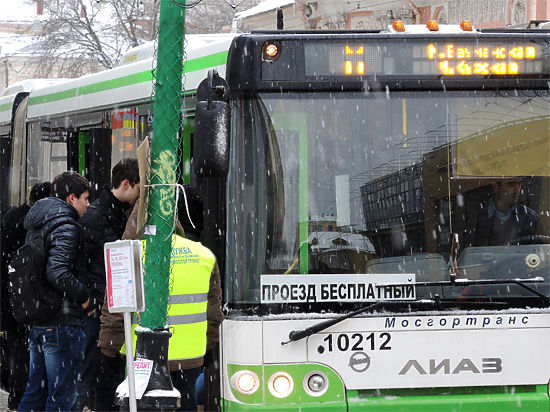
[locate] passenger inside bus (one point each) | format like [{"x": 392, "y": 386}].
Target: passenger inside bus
[{"x": 502, "y": 219}]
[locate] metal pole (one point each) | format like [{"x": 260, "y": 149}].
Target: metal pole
[{"x": 130, "y": 361}]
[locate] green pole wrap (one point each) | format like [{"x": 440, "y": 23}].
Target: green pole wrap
[{"x": 164, "y": 154}]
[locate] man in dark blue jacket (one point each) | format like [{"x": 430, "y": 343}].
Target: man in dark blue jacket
[
  {"x": 103, "y": 222},
  {"x": 57, "y": 345}
]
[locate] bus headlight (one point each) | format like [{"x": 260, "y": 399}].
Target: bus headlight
[
  {"x": 316, "y": 383},
  {"x": 246, "y": 382},
  {"x": 280, "y": 384}
]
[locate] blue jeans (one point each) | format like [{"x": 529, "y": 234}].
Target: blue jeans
[
  {"x": 89, "y": 368},
  {"x": 55, "y": 356}
]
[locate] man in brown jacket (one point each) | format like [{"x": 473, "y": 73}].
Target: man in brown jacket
[{"x": 184, "y": 373}]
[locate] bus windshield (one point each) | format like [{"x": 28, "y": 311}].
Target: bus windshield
[{"x": 430, "y": 183}]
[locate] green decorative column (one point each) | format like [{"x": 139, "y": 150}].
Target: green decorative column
[
  {"x": 164, "y": 149},
  {"x": 153, "y": 334}
]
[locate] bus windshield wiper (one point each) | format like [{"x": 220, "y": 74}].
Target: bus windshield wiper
[
  {"x": 522, "y": 283},
  {"x": 297, "y": 335}
]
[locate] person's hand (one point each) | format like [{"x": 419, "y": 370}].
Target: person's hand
[{"x": 85, "y": 305}]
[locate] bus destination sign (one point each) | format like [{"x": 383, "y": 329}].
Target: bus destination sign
[
  {"x": 462, "y": 60},
  {"x": 422, "y": 57}
]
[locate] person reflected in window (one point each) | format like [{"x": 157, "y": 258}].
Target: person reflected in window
[{"x": 503, "y": 220}]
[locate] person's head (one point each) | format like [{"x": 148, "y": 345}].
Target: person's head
[
  {"x": 507, "y": 193},
  {"x": 195, "y": 207},
  {"x": 39, "y": 191},
  {"x": 73, "y": 189},
  {"x": 125, "y": 180}
]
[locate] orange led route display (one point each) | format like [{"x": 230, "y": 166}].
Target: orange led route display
[
  {"x": 483, "y": 60},
  {"x": 419, "y": 57}
]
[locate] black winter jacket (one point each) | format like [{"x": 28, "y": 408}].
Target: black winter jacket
[
  {"x": 63, "y": 245},
  {"x": 104, "y": 221}
]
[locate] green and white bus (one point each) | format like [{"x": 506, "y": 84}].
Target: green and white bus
[{"x": 359, "y": 270}]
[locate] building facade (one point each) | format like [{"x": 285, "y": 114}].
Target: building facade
[{"x": 377, "y": 14}]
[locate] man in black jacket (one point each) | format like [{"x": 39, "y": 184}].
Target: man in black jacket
[
  {"x": 57, "y": 345},
  {"x": 104, "y": 222},
  {"x": 15, "y": 352}
]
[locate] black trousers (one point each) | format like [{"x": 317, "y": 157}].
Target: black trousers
[
  {"x": 111, "y": 373},
  {"x": 17, "y": 364},
  {"x": 89, "y": 369},
  {"x": 185, "y": 382}
]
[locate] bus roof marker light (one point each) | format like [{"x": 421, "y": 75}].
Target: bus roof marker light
[
  {"x": 398, "y": 25},
  {"x": 246, "y": 382},
  {"x": 280, "y": 384},
  {"x": 270, "y": 51},
  {"x": 432, "y": 25},
  {"x": 466, "y": 25}
]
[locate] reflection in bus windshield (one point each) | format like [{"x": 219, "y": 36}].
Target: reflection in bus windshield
[{"x": 408, "y": 183}]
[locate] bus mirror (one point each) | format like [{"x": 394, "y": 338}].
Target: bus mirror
[{"x": 211, "y": 141}]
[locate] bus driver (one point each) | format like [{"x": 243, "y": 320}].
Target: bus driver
[{"x": 503, "y": 220}]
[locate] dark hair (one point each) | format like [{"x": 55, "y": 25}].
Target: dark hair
[
  {"x": 125, "y": 169},
  {"x": 195, "y": 207},
  {"x": 69, "y": 182},
  {"x": 40, "y": 191}
]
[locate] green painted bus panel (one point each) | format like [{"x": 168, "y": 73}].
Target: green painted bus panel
[
  {"x": 485, "y": 399},
  {"x": 5, "y": 107},
  {"x": 129, "y": 80},
  {"x": 83, "y": 140},
  {"x": 93, "y": 88},
  {"x": 335, "y": 394},
  {"x": 205, "y": 62},
  {"x": 318, "y": 407}
]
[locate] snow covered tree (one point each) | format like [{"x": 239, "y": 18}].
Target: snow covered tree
[{"x": 85, "y": 36}]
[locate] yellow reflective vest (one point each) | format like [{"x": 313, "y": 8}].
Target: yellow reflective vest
[{"x": 192, "y": 264}]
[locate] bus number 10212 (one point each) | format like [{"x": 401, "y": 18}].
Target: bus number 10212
[{"x": 357, "y": 342}]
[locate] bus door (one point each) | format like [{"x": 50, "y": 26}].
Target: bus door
[
  {"x": 89, "y": 153},
  {"x": 5, "y": 163},
  {"x": 19, "y": 151}
]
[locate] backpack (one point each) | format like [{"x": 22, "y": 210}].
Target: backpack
[{"x": 33, "y": 299}]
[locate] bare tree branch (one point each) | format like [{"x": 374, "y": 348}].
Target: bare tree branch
[
  {"x": 92, "y": 35},
  {"x": 84, "y": 36}
]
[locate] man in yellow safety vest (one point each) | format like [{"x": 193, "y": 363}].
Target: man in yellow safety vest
[{"x": 195, "y": 311}]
